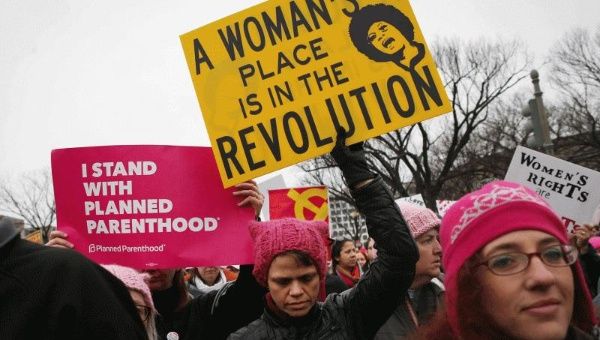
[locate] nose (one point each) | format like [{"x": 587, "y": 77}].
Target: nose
[
  {"x": 295, "y": 289},
  {"x": 437, "y": 247},
  {"x": 539, "y": 276}
]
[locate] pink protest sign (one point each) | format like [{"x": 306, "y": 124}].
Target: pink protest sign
[{"x": 149, "y": 207}]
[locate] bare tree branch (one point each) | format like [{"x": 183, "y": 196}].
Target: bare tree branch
[
  {"x": 475, "y": 75},
  {"x": 32, "y": 200}
]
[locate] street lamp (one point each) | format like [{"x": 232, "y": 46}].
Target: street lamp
[{"x": 539, "y": 118}]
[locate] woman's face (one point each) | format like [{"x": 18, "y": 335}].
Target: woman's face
[
  {"x": 371, "y": 250},
  {"x": 360, "y": 259},
  {"x": 209, "y": 274},
  {"x": 294, "y": 288},
  {"x": 536, "y": 303},
  {"x": 386, "y": 38},
  {"x": 430, "y": 255},
  {"x": 160, "y": 279},
  {"x": 347, "y": 258}
]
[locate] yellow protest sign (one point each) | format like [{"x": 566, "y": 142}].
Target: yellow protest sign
[
  {"x": 275, "y": 81},
  {"x": 35, "y": 236}
]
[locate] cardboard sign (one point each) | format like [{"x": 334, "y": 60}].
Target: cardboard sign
[
  {"x": 274, "y": 82},
  {"x": 442, "y": 205},
  {"x": 414, "y": 199},
  {"x": 570, "y": 189},
  {"x": 35, "y": 237},
  {"x": 308, "y": 203},
  {"x": 149, "y": 207}
]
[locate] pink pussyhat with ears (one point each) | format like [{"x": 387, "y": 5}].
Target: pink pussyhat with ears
[
  {"x": 595, "y": 242},
  {"x": 274, "y": 237},
  {"x": 132, "y": 280},
  {"x": 419, "y": 219},
  {"x": 482, "y": 216}
]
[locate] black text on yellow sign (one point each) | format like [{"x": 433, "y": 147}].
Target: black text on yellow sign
[{"x": 275, "y": 81}]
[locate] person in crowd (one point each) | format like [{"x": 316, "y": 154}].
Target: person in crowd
[
  {"x": 206, "y": 279},
  {"x": 140, "y": 294},
  {"x": 590, "y": 260},
  {"x": 290, "y": 259},
  {"x": 371, "y": 250},
  {"x": 49, "y": 293},
  {"x": 361, "y": 260},
  {"x": 213, "y": 315},
  {"x": 424, "y": 296},
  {"x": 510, "y": 271},
  {"x": 595, "y": 243},
  {"x": 169, "y": 294},
  {"x": 343, "y": 256}
]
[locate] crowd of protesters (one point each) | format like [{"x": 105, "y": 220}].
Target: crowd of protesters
[{"x": 498, "y": 265}]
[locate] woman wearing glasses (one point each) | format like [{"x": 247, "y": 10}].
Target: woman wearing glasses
[
  {"x": 510, "y": 273},
  {"x": 140, "y": 294}
]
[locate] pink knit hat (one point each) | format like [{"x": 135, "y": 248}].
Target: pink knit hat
[
  {"x": 482, "y": 216},
  {"x": 274, "y": 237},
  {"x": 132, "y": 280},
  {"x": 419, "y": 219},
  {"x": 595, "y": 242}
]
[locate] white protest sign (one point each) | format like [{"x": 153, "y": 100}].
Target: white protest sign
[
  {"x": 570, "y": 189},
  {"x": 414, "y": 199},
  {"x": 443, "y": 206}
]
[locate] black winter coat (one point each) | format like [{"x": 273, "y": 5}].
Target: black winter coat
[
  {"x": 51, "y": 293},
  {"x": 401, "y": 325},
  {"x": 356, "y": 313},
  {"x": 216, "y": 314}
]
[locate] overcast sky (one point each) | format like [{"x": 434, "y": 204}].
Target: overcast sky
[{"x": 81, "y": 73}]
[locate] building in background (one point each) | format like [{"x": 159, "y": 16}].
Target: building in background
[{"x": 346, "y": 222}]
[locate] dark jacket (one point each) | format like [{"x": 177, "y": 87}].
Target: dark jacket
[
  {"x": 575, "y": 333},
  {"x": 51, "y": 293},
  {"x": 356, "y": 313},
  {"x": 216, "y": 314},
  {"x": 590, "y": 262},
  {"x": 425, "y": 302},
  {"x": 333, "y": 284}
]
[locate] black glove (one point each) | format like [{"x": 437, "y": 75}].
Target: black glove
[{"x": 351, "y": 160}]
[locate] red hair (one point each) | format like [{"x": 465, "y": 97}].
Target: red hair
[{"x": 474, "y": 321}]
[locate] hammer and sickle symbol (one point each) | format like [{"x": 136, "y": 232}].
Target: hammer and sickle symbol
[{"x": 303, "y": 202}]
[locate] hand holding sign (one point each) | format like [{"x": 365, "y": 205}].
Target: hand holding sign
[
  {"x": 351, "y": 160},
  {"x": 250, "y": 195},
  {"x": 58, "y": 239},
  {"x": 155, "y": 204},
  {"x": 276, "y": 81}
]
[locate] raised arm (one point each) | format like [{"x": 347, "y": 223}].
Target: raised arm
[{"x": 370, "y": 303}]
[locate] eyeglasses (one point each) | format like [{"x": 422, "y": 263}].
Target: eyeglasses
[
  {"x": 144, "y": 312},
  {"x": 513, "y": 263}
]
